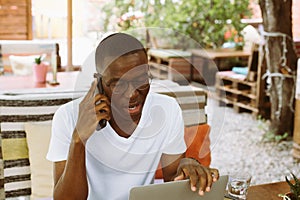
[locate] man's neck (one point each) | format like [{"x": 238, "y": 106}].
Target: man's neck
[{"x": 127, "y": 128}]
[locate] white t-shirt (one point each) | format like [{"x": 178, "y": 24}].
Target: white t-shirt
[{"x": 115, "y": 164}]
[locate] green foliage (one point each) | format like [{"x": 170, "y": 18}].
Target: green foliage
[
  {"x": 269, "y": 135},
  {"x": 38, "y": 60},
  {"x": 205, "y": 21}
]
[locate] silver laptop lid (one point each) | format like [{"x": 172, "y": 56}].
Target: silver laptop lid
[{"x": 178, "y": 190}]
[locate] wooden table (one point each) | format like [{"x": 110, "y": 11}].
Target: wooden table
[
  {"x": 268, "y": 191},
  {"x": 207, "y": 61},
  {"x": 220, "y": 53},
  {"x": 12, "y": 82}
]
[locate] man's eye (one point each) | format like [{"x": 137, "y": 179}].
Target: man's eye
[
  {"x": 119, "y": 84},
  {"x": 142, "y": 79},
  {"x": 113, "y": 84}
]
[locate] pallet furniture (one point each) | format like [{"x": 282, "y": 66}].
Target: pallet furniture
[
  {"x": 244, "y": 92},
  {"x": 234, "y": 89},
  {"x": 169, "y": 64},
  {"x": 247, "y": 93},
  {"x": 207, "y": 62}
]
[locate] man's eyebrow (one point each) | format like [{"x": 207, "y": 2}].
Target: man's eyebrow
[
  {"x": 142, "y": 75},
  {"x": 116, "y": 79},
  {"x": 112, "y": 80}
]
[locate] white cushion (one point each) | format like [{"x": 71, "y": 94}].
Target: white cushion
[
  {"x": 38, "y": 137},
  {"x": 22, "y": 65}
]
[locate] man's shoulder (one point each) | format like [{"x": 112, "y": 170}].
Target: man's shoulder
[
  {"x": 162, "y": 98},
  {"x": 69, "y": 106}
]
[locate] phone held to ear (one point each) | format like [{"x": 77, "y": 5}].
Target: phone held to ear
[{"x": 102, "y": 122}]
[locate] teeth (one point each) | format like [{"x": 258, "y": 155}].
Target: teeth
[{"x": 132, "y": 107}]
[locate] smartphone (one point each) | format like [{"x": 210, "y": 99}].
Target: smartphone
[{"x": 102, "y": 122}]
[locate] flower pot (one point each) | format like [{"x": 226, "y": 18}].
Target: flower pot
[
  {"x": 40, "y": 72},
  {"x": 287, "y": 196},
  {"x": 239, "y": 46}
]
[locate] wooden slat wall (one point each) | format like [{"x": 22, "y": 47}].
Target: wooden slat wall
[{"x": 15, "y": 20}]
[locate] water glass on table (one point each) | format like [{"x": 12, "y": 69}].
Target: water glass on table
[{"x": 238, "y": 184}]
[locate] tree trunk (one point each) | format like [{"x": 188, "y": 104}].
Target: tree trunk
[{"x": 277, "y": 22}]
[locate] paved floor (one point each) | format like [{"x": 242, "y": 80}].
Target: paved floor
[{"x": 237, "y": 143}]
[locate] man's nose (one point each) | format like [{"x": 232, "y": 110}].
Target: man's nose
[{"x": 131, "y": 91}]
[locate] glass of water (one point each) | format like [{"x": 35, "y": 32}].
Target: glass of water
[{"x": 238, "y": 184}]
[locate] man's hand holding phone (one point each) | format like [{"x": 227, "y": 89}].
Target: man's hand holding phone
[
  {"x": 102, "y": 122},
  {"x": 93, "y": 108}
]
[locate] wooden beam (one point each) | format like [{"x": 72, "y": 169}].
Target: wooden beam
[
  {"x": 69, "y": 66},
  {"x": 29, "y": 20}
]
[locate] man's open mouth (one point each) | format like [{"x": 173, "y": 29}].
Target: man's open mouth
[{"x": 134, "y": 108}]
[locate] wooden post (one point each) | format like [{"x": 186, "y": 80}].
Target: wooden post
[
  {"x": 29, "y": 20},
  {"x": 296, "y": 135},
  {"x": 281, "y": 61},
  {"x": 69, "y": 66}
]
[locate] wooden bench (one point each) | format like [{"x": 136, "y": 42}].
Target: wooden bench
[{"x": 27, "y": 48}]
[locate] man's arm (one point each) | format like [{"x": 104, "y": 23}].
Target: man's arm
[
  {"x": 170, "y": 164},
  {"x": 70, "y": 180}
]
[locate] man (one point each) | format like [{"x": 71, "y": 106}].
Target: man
[{"x": 142, "y": 129}]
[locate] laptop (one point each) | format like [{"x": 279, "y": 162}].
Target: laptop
[{"x": 178, "y": 190}]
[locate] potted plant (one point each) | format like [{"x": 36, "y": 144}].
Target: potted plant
[
  {"x": 294, "y": 193},
  {"x": 40, "y": 69}
]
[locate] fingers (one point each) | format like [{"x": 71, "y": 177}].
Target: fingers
[
  {"x": 102, "y": 107},
  {"x": 193, "y": 179},
  {"x": 206, "y": 177},
  {"x": 205, "y": 180},
  {"x": 179, "y": 177},
  {"x": 91, "y": 91},
  {"x": 215, "y": 174},
  {"x": 101, "y": 116},
  {"x": 100, "y": 98},
  {"x": 104, "y": 113},
  {"x": 199, "y": 175}
]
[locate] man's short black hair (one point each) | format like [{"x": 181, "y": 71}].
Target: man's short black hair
[{"x": 115, "y": 46}]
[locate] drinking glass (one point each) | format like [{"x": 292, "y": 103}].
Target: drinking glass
[{"x": 238, "y": 184}]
